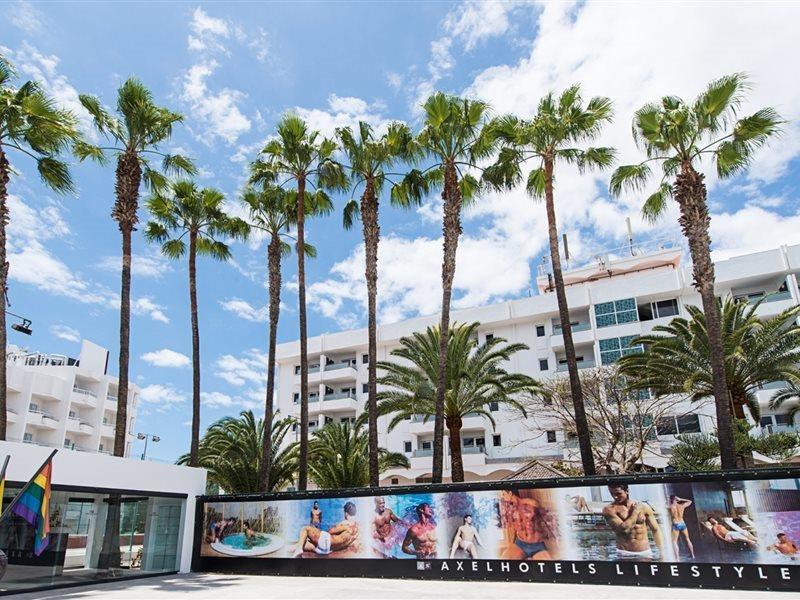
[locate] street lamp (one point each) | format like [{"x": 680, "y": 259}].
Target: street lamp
[
  {"x": 24, "y": 327},
  {"x": 145, "y": 437}
]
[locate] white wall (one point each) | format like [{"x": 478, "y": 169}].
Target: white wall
[{"x": 84, "y": 469}]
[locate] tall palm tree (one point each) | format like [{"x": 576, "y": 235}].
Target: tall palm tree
[
  {"x": 453, "y": 139},
  {"x": 677, "y": 357},
  {"x": 551, "y": 136},
  {"x": 679, "y": 136},
  {"x": 135, "y": 133},
  {"x": 475, "y": 379},
  {"x": 231, "y": 449},
  {"x": 183, "y": 212},
  {"x": 32, "y": 125},
  {"x": 303, "y": 157},
  {"x": 272, "y": 210},
  {"x": 370, "y": 157},
  {"x": 340, "y": 456}
]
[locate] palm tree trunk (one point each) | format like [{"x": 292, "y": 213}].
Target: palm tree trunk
[
  {"x": 451, "y": 230},
  {"x": 302, "y": 482},
  {"x": 5, "y": 169},
  {"x": 456, "y": 460},
  {"x": 369, "y": 219},
  {"x": 581, "y": 424},
  {"x": 274, "y": 265},
  {"x": 195, "y": 445},
  {"x": 695, "y": 221}
]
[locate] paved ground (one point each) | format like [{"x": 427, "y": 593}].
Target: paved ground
[{"x": 205, "y": 585}]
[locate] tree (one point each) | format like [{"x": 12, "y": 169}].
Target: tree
[
  {"x": 183, "y": 212},
  {"x": 454, "y": 139},
  {"x": 301, "y": 156},
  {"x": 475, "y": 380},
  {"x": 677, "y": 356},
  {"x": 339, "y": 456},
  {"x": 231, "y": 452},
  {"x": 679, "y": 136},
  {"x": 550, "y": 137},
  {"x": 136, "y": 134},
  {"x": 700, "y": 451},
  {"x": 622, "y": 421},
  {"x": 272, "y": 210},
  {"x": 370, "y": 157},
  {"x": 788, "y": 394},
  {"x": 32, "y": 125}
]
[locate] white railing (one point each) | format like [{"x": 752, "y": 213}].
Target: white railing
[{"x": 83, "y": 391}]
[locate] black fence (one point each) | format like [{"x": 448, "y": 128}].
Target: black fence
[{"x": 735, "y": 530}]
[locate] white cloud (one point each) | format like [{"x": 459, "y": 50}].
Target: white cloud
[
  {"x": 216, "y": 399},
  {"x": 219, "y": 111},
  {"x": 475, "y": 20},
  {"x": 166, "y": 358},
  {"x": 245, "y": 310},
  {"x": 344, "y": 111},
  {"x": 161, "y": 397},
  {"x": 207, "y": 32},
  {"x": 752, "y": 229},
  {"x": 395, "y": 80},
  {"x": 26, "y": 17},
  {"x": 141, "y": 266},
  {"x": 146, "y": 306},
  {"x": 65, "y": 332},
  {"x": 249, "y": 368}
]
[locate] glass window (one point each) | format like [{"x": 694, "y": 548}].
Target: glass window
[
  {"x": 689, "y": 424},
  {"x": 427, "y": 444},
  {"x": 297, "y": 369},
  {"x": 666, "y": 426},
  {"x": 612, "y": 349},
  {"x": 782, "y": 419},
  {"x": 666, "y": 308},
  {"x": 497, "y": 440},
  {"x": 489, "y": 337},
  {"x": 543, "y": 366},
  {"x": 614, "y": 313},
  {"x": 766, "y": 421},
  {"x": 365, "y": 388},
  {"x": 407, "y": 447},
  {"x": 540, "y": 331},
  {"x": 365, "y": 358},
  {"x": 551, "y": 437},
  {"x": 494, "y": 406}
]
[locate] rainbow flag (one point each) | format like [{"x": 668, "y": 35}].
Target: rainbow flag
[{"x": 33, "y": 505}]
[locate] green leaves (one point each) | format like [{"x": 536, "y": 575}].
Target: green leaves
[
  {"x": 629, "y": 177},
  {"x": 656, "y": 203}
]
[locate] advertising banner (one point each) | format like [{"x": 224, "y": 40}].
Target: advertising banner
[{"x": 730, "y": 531}]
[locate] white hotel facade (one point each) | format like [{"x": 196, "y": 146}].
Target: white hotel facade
[
  {"x": 66, "y": 403},
  {"x": 610, "y": 302}
]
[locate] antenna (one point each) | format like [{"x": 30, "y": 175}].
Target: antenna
[{"x": 630, "y": 234}]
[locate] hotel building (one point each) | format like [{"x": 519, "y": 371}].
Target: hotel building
[
  {"x": 611, "y": 301},
  {"x": 62, "y": 402}
]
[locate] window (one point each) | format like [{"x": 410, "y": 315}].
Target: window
[
  {"x": 296, "y": 397},
  {"x": 407, "y": 447},
  {"x": 72, "y": 414},
  {"x": 616, "y": 312},
  {"x": 658, "y": 310},
  {"x": 365, "y": 388},
  {"x": 782, "y": 419},
  {"x": 297, "y": 369},
  {"x": 494, "y": 406},
  {"x": 540, "y": 331},
  {"x": 312, "y": 424},
  {"x": 27, "y": 437},
  {"x": 543, "y": 366},
  {"x": 678, "y": 425},
  {"x": 489, "y": 337},
  {"x": 497, "y": 440},
  {"x": 612, "y": 349},
  {"x": 551, "y": 437},
  {"x": 427, "y": 445},
  {"x": 395, "y": 481},
  {"x": 328, "y": 420},
  {"x": 365, "y": 359},
  {"x": 67, "y": 443}
]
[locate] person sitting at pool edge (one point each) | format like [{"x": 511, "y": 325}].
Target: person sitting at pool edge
[
  {"x": 784, "y": 546},
  {"x": 339, "y": 537}
]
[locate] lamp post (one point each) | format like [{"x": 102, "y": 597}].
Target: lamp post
[
  {"x": 145, "y": 437},
  {"x": 24, "y": 327}
]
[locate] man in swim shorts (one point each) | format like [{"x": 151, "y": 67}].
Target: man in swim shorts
[
  {"x": 420, "y": 540},
  {"x": 528, "y": 527},
  {"x": 631, "y": 522},
  {"x": 341, "y": 536},
  {"x": 731, "y": 536},
  {"x": 676, "y": 507},
  {"x": 466, "y": 538},
  {"x": 784, "y": 546},
  {"x": 316, "y": 515}
]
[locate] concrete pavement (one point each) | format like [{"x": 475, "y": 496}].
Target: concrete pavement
[{"x": 208, "y": 585}]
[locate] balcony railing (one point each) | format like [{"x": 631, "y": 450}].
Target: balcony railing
[
  {"x": 422, "y": 453},
  {"x": 39, "y": 411},
  {"x": 582, "y": 364},
  {"x": 111, "y": 398},
  {"x": 580, "y": 326},
  {"x": 311, "y": 398},
  {"x": 473, "y": 450},
  {"x": 339, "y": 396},
  {"x": 340, "y": 365},
  {"x": 83, "y": 391}
]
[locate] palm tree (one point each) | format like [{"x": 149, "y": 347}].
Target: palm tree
[
  {"x": 551, "y": 136},
  {"x": 369, "y": 159},
  {"x": 181, "y": 211},
  {"x": 135, "y": 135},
  {"x": 301, "y": 156},
  {"x": 340, "y": 456},
  {"x": 790, "y": 393},
  {"x": 680, "y": 136},
  {"x": 272, "y": 210},
  {"x": 231, "y": 453},
  {"x": 677, "y": 357},
  {"x": 454, "y": 139},
  {"x": 32, "y": 125},
  {"x": 475, "y": 380}
]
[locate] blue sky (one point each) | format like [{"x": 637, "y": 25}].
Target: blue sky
[{"x": 234, "y": 68}]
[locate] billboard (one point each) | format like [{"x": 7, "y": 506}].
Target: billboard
[{"x": 736, "y": 531}]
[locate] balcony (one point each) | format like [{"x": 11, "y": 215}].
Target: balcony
[
  {"x": 339, "y": 401},
  {"x": 111, "y": 403},
  {"x": 587, "y": 363},
  {"x": 35, "y": 443},
  {"x": 11, "y": 415},
  {"x": 330, "y": 373},
  {"x": 107, "y": 430},
  {"x": 79, "y": 427},
  {"x": 581, "y": 334},
  {"x": 84, "y": 397},
  {"x": 418, "y": 425},
  {"x": 422, "y": 453},
  {"x": 38, "y": 418}
]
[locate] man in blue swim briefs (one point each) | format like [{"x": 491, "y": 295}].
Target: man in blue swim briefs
[{"x": 676, "y": 507}]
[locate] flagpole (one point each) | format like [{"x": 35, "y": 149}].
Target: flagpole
[{"x": 25, "y": 487}]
